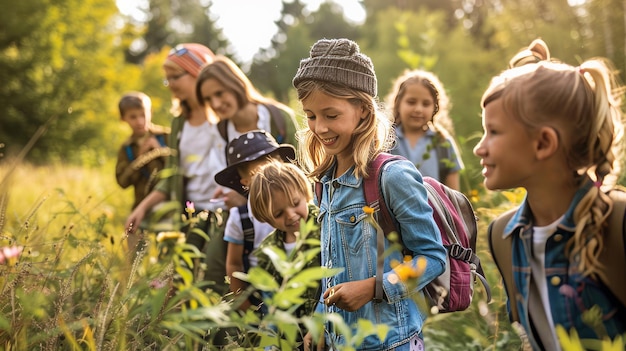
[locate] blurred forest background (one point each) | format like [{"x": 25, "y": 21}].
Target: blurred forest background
[{"x": 65, "y": 63}]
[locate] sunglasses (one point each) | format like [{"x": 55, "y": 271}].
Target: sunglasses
[{"x": 180, "y": 50}]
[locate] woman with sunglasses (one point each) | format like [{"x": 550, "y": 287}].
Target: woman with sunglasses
[{"x": 195, "y": 161}]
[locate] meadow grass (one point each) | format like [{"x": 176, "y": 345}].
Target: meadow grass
[{"x": 75, "y": 288}]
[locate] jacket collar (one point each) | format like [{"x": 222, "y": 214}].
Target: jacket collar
[
  {"x": 523, "y": 216},
  {"x": 346, "y": 179}
]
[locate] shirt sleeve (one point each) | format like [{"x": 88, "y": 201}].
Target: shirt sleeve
[
  {"x": 407, "y": 200},
  {"x": 233, "y": 232}
]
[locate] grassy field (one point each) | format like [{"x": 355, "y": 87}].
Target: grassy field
[{"x": 74, "y": 287}]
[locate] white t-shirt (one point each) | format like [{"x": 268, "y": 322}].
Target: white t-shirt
[
  {"x": 264, "y": 123},
  {"x": 201, "y": 157},
  {"x": 289, "y": 247},
  {"x": 233, "y": 232},
  {"x": 538, "y": 267}
]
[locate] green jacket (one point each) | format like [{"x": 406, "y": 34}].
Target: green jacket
[{"x": 173, "y": 184}]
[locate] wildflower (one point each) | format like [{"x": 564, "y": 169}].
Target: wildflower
[
  {"x": 157, "y": 284},
  {"x": 163, "y": 236},
  {"x": 203, "y": 215},
  {"x": 407, "y": 270},
  {"x": 10, "y": 254},
  {"x": 474, "y": 195},
  {"x": 190, "y": 208},
  {"x": 368, "y": 210}
]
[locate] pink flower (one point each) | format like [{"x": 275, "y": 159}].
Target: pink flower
[
  {"x": 10, "y": 254},
  {"x": 157, "y": 284},
  {"x": 190, "y": 207}
]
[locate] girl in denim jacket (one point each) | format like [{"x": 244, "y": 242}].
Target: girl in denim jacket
[
  {"x": 553, "y": 129},
  {"x": 346, "y": 130}
]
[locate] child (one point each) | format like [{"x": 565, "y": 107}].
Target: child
[
  {"x": 143, "y": 155},
  {"x": 346, "y": 131},
  {"x": 246, "y": 154},
  {"x": 553, "y": 129},
  {"x": 420, "y": 108},
  {"x": 224, "y": 87},
  {"x": 281, "y": 195}
]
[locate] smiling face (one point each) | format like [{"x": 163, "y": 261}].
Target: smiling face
[
  {"x": 221, "y": 100},
  {"x": 506, "y": 150},
  {"x": 416, "y": 107},
  {"x": 333, "y": 122},
  {"x": 287, "y": 212}
]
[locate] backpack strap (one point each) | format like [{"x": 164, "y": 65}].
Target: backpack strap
[
  {"x": 373, "y": 191},
  {"x": 248, "y": 235},
  {"x": 374, "y": 199},
  {"x": 222, "y": 128},
  {"x": 129, "y": 153},
  {"x": 131, "y": 157},
  {"x": 278, "y": 123},
  {"x": 501, "y": 251},
  {"x": 161, "y": 139}
]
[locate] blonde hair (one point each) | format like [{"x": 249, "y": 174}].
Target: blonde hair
[
  {"x": 272, "y": 177},
  {"x": 440, "y": 121},
  {"x": 372, "y": 136},
  {"x": 583, "y": 105}
]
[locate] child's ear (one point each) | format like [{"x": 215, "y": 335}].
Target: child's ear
[
  {"x": 364, "y": 112},
  {"x": 547, "y": 142}
]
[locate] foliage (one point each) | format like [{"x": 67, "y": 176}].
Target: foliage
[
  {"x": 170, "y": 22},
  {"x": 76, "y": 287},
  {"x": 274, "y": 68},
  {"x": 55, "y": 64}
]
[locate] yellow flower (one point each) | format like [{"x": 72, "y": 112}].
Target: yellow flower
[
  {"x": 368, "y": 210},
  {"x": 408, "y": 270},
  {"x": 163, "y": 236}
]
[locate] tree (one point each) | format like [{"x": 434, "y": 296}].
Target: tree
[
  {"x": 170, "y": 22},
  {"x": 54, "y": 69},
  {"x": 273, "y": 69}
]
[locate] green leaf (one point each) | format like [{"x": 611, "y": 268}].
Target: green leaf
[{"x": 259, "y": 278}]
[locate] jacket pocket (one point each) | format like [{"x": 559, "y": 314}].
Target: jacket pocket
[{"x": 355, "y": 232}]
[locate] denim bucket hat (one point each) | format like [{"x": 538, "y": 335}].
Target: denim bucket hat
[{"x": 248, "y": 147}]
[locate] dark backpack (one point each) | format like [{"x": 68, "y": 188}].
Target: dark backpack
[
  {"x": 248, "y": 235},
  {"x": 453, "y": 290},
  {"x": 613, "y": 257},
  {"x": 131, "y": 156}
]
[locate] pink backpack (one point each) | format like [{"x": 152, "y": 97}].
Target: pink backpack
[{"x": 453, "y": 290}]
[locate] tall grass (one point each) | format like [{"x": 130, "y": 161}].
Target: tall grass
[{"x": 77, "y": 287}]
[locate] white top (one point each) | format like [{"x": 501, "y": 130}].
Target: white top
[
  {"x": 233, "y": 232},
  {"x": 202, "y": 155},
  {"x": 289, "y": 247},
  {"x": 264, "y": 123},
  {"x": 538, "y": 268}
]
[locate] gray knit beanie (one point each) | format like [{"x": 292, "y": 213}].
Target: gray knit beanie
[{"x": 338, "y": 61}]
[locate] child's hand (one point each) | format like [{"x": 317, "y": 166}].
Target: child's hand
[
  {"x": 148, "y": 144},
  {"x": 231, "y": 198},
  {"x": 308, "y": 343},
  {"x": 350, "y": 296}
]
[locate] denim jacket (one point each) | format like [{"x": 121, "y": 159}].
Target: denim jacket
[
  {"x": 349, "y": 242},
  {"x": 570, "y": 294}
]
